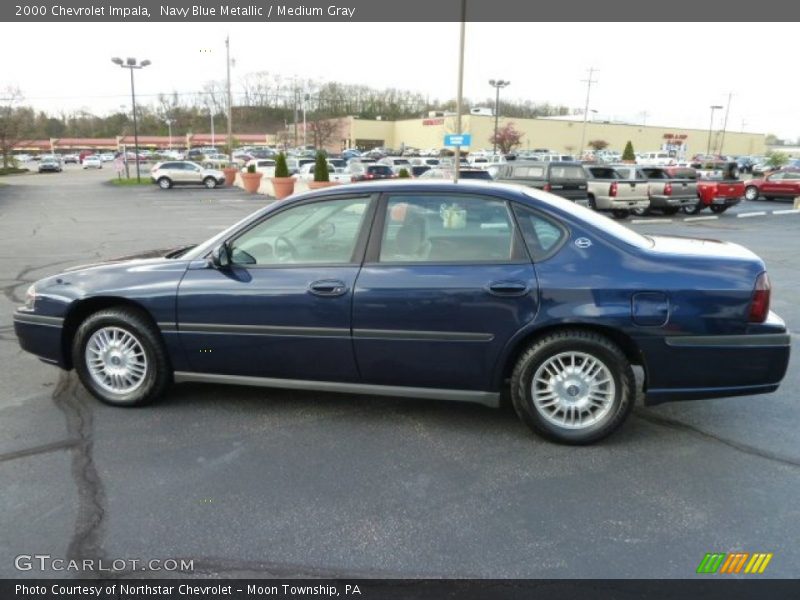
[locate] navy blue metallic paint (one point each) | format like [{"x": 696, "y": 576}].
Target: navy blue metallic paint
[{"x": 684, "y": 288}]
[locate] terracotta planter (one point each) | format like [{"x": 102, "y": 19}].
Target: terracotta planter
[
  {"x": 315, "y": 185},
  {"x": 284, "y": 186},
  {"x": 230, "y": 175},
  {"x": 251, "y": 181}
]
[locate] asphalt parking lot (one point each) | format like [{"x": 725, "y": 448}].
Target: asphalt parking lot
[{"x": 258, "y": 482}]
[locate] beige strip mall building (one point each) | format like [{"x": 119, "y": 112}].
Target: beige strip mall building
[{"x": 557, "y": 135}]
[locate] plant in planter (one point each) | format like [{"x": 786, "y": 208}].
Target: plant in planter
[
  {"x": 403, "y": 174},
  {"x": 282, "y": 182},
  {"x": 322, "y": 177},
  {"x": 627, "y": 155},
  {"x": 251, "y": 179},
  {"x": 231, "y": 170}
]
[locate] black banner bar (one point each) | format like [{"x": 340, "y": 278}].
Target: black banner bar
[
  {"x": 707, "y": 588},
  {"x": 342, "y": 11}
]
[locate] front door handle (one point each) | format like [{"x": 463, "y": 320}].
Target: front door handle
[
  {"x": 508, "y": 288},
  {"x": 328, "y": 287}
]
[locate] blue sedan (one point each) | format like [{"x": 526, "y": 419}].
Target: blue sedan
[{"x": 424, "y": 290}]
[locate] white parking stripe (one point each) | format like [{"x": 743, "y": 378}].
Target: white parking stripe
[
  {"x": 708, "y": 218},
  {"x": 651, "y": 220},
  {"x": 791, "y": 211},
  {"x": 760, "y": 213}
]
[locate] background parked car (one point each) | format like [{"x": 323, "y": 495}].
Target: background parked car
[
  {"x": 50, "y": 164},
  {"x": 369, "y": 171},
  {"x": 463, "y": 173},
  {"x": 779, "y": 184},
  {"x": 565, "y": 179},
  {"x": 671, "y": 188},
  {"x": 619, "y": 192},
  {"x": 167, "y": 174},
  {"x": 92, "y": 162},
  {"x": 262, "y": 165},
  {"x": 70, "y": 159}
]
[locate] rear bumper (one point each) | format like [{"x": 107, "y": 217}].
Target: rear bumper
[
  {"x": 700, "y": 367},
  {"x": 672, "y": 201},
  {"x": 41, "y": 336},
  {"x": 614, "y": 203}
]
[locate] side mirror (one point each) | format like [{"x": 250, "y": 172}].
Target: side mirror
[{"x": 221, "y": 256}]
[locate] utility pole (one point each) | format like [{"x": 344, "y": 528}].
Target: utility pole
[
  {"x": 460, "y": 87},
  {"x": 229, "y": 137},
  {"x": 725, "y": 122},
  {"x": 644, "y": 115},
  {"x": 589, "y": 83}
]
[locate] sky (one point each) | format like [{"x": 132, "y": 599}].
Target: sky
[{"x": 673, "y": 72}]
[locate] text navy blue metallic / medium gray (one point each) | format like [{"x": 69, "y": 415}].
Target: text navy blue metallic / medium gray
[{"x": 424, "y": 289}]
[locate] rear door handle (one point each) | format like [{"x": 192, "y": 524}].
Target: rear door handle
[
  {"x": 508, "y": 288},
  {"x": 328, "y": 287}
]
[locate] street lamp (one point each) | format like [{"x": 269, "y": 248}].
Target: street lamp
[
  {"x": 169, "y": 123},
  {"x": 497, "y": 84},
  {"x": 131, "y": 64},
  {"x": 710, "y": 126}
]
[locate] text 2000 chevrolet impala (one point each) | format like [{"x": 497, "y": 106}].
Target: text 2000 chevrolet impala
[{"x": 435, "y": 290}]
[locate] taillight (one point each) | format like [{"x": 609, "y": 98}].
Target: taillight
[
  {"x": 668, "y": 189},
  {"x": 759, "y": 305},
  {"x": 369, "y": 176},
  {"x": 547, "y": 187},
  {"x": 612, "y": 189},
  {"x": 353, "y": 179}
]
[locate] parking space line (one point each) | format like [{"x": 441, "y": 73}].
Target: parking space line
[
  {"x": 708, "y": 218},
  {"x": 651, "y": 220},
  {"x": 790, "y": 211},
  {"x": 759, "y": 213}
]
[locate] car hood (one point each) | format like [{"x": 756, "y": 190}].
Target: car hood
[
  {"x": 165, "y": 253},
  {"x": 686, "y": 246}
]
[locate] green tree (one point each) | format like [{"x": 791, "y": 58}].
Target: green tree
[
  {"x": 628, "y": 154},
  {"x": 321, "y": 167},
  {"x": 777, "y": 159},
  {"x": 403, "y": 174},
  {"x": 281, "y": 168}
]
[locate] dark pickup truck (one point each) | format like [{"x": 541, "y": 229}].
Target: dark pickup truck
[
  {"x": 565, "y": 179},
  {"x": 671, "y": 188}
]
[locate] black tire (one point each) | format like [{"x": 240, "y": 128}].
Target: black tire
[
  {"x": 592, "y": 202},
  {"x": 210, "y": 183},
  {"x": 165, "y": 183},
  {"x": 718, "y": 209},
  {"x": 640, "y": 212},
  {"x": 592, "y": 345},
  {"x": 751, "y": 193},
  {"x": 770, "y": 198},
  {"x": 619, "y": 213},
  {"x": 693, "y": 209},
  {"x": 157, "y": 375},
  {"x": 670, "y": 210}
]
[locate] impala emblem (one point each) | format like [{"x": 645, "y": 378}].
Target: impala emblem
[{"x": 583, "y": 242}]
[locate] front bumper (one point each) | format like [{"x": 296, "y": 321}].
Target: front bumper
[
  {"x": 40, "y": 335},
  {"x": 715, "y": 366}
]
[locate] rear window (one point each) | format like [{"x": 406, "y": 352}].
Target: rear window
[
  {"x": 656, "y": 173},
  {"x": 684, "y": 174},
  {"x": 534, "y": 172},
  {"x": 568, "y": 172},
  {"x": 379, "y": 170},
  {"x": 475, "y": 175},
  {"x": 603, "y": 173}
]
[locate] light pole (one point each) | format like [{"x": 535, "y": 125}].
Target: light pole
[
  {"x": 229, "y": 136},
  {"x": 169, "y": 123},
  {"x": 589, "y": 83},
  {"x": 497, "y": 84},
  {"x": 131, "y": 64},
  {"x": 710, "y": 126}
]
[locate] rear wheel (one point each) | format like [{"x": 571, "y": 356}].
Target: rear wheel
[
  {"x": 692, "y": 209},
  {"x": 210, "y": 182},
  {"x": 640, "y": 212},
  {"x": 164, "y": 183},
  {"x": 573, "y": 387},
  {"x": 592, "y": 202},
  {"x": 751, "y": 193},
  {"x": 120, "y": 358},
  {"x": 620, "y": 213},
  {"x": 718, "y": 209}
]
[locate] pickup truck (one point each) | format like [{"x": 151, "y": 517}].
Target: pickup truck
[
  {"x": 565, "y": 179},
  {"x": 718, "y": 187},
  {"x": 671, "y": 188},
  {"x": 609, "y": 190}
]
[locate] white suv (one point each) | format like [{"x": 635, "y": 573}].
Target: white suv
[{"x": 184, "y": 172}]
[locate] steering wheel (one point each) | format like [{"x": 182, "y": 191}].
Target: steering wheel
[{"x": 288, "y": 252}]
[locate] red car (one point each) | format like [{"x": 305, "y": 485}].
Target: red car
[{"x": 779, "y": 184}]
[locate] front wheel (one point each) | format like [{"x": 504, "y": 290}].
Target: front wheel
[
  {"x": 210, "y": 183},
  {"x": 120, "y": 358},
  {"x": 573, "y": 387},
  {"x": 751, "y": 193},
  {"x": 718, "y": 209}
]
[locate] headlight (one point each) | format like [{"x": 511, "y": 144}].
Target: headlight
[{"x": 30, "y": 298}]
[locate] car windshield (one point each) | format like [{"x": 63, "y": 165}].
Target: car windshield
[
  {"x": 379, "y": 170},
  {"x": 475, "y": 175},
  {"x": 594, "y": 219}
]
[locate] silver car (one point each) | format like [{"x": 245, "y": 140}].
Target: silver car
[{"x": 184, "y": 172}]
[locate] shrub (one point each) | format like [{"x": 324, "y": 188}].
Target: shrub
[
  {"x": 251, "y": 168},
  {"x": 777, "y": 159},
  {"x": 281, "y": 168},
  {"x": 628, "y": 154},
  {"x": 321, "y": 167},
  {"x": 403, "y": 174}
]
